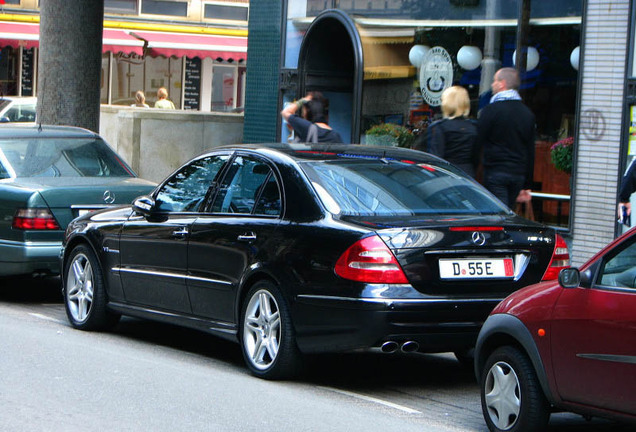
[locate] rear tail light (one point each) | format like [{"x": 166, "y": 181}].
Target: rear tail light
[
  {"x": 370, "y": 260},
  {"x": 34, "y": 219},
  {"x": 560, "y": 259}
]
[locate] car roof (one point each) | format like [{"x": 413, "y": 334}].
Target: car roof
[
  {"x": 323, "y": 152},
  {"x": 22, "y": 100},
  {"x": 9, "y": 130}
]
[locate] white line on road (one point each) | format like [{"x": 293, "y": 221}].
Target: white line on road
[
  {"x": 372, "y": 399},
  {"x": 46, "y": 318}
]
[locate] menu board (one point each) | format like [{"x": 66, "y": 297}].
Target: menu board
[
  {"x": 28, "y": 64},
  {"x": 192, "y": 84}
]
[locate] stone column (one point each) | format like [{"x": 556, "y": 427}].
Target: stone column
[{"x": 70, "y": 62}]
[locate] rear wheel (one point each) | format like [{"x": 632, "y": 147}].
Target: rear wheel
[
  {"x": 511, "y": 396},
  {"x": 85, "y": 295},
  {"x": 267, "y": 335}
]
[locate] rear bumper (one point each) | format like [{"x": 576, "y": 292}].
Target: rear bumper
[
  {"x": 19, "y": 258},
  {"x": 336, "y": 324}
]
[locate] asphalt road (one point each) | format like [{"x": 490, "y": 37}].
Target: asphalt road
[{"x": 147, "y": 376}]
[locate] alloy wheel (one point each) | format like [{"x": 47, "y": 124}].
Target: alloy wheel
[
  {"x": 262, "y": 329},
  {"x": 502, "y": 395},
  {"x": 79, "y": 286}
]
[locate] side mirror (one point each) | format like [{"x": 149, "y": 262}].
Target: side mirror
[
  {"x": 144, "y": 205},
  {"x": 569, "y": 278}
]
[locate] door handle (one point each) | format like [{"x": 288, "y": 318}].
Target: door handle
[
  {"x": 248, "y": 236},
  {"x": 181, "y": 232}
]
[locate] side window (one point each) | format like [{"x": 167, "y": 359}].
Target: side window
[
  {"x": 619, "y": 270},
  {"x": 248, "y": 188},
  {"x": 187, "y": 189}
]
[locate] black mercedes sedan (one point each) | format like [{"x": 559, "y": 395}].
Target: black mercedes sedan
[{"x": 298, "y": 249}]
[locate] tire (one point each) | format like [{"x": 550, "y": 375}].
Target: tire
[
  {"x": 511, "y": 397},
  {"x": 267, "y": 335},
  {"x": 85, "y": 296}
]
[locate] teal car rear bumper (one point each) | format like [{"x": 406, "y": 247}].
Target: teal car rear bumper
[{"x": 20, "y": 258}]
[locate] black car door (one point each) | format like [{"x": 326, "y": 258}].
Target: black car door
[
  {"x": 239, "y": 232},
  {"x": 154, "y": 248}
]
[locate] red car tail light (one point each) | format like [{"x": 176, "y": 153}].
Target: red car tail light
[
  {"x": 34, "y": 219},
  {"x": 370, "y": 260},
  {"x": 560, "y": 259}
]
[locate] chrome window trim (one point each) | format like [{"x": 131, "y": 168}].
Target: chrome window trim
[{"x": 118, "y": 269}]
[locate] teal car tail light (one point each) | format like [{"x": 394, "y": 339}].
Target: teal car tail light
[{"x": 34, "y": 219}]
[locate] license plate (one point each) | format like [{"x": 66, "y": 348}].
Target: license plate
[{"x": 476, "y": 268}]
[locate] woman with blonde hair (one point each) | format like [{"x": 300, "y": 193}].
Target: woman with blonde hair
[
  {"x": 162, "y": 99},
  {"x": 454, "y": 137},
  {"x": 140, "y": 100}
]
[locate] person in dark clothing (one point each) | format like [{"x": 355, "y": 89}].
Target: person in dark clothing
[
  {"x": 506, "y": 133},
  {"x": 453, "y": 137},
  {"x": 628, "y": 187},
  {"x": 312, "y": 126}
]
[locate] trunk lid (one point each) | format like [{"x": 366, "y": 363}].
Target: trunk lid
[{"x": 467, "y": 256}]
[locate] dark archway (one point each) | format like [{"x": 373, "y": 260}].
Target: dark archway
[{"x": 331, "y": 62}]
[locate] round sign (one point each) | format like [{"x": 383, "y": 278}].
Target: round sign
[{"x": 436, "y": 74}]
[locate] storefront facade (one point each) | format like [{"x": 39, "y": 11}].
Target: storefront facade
[
  {"x": 387, "y": 61},
  {"x": 196, "y": 49}
]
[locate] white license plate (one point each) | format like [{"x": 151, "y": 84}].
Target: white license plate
[
  {"x": 476, "y": 268},
  {"x": 82, "y": 212}
]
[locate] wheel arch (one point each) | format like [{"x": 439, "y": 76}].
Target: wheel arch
[
  {"x": 501, "y": 330},
  {"x": 71, "y": 244},
  {"x": 257, "y": 274}
]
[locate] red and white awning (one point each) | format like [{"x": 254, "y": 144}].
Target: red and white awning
[
  {"x": 157, "y": 43},
  {"x": 194, "y": 45}
]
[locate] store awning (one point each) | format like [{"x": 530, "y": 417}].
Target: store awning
[
  {"x": 19, "y": 34},
  {"x": 27, "y": 35},
  {"x": 194, "y": 45}
]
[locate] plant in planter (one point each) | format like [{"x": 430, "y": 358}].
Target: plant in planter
[
  {"x": 561, "y": 154},
  {"x": 389, "y": 134}
]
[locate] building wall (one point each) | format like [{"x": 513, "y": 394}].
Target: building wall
[
  {"x": 263, "y": 50},
  {"x": 155, "y": 142},
  {"x": 603, "y": 67}
]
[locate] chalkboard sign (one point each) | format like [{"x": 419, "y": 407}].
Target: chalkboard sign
[
  {"x": 192, "y": 84},
  {"x": 28, "y": 64}
]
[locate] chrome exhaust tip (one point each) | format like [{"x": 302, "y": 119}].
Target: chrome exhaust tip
[
  {"x": 389, "y": 347},
  {"x": 410, "y": 346}
]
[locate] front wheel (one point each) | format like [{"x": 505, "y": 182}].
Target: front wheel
[
  {"x": 267, "y": 335},
  {"x": 511, "y": 397},
  {"x": 85, "y": 295}
]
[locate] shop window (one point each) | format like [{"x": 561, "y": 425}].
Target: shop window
[
  {"x": 226, "y": 12},
  {"x": 121, "y": 6},
  {"x": 161, "y": 7},
  {"x": 224, "y": 82}
]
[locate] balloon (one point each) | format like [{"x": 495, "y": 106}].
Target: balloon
[
  {"x": 574, "y": 58},
  {"x": 469, "y": 57},
  {"x": 532, "y": 60},
  {"x": 417, "y": 53}
]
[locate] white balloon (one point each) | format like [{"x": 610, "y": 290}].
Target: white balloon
[
  {"x": 532, "y": 60},
  {"x": 469, "y": 57},
  {"x": 417, "y": 53},
  {"x": 574, "y": 58}
]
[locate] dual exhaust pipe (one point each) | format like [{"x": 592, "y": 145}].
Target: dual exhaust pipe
[{"x": 406, "y": 347}]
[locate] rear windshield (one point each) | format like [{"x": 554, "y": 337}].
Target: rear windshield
[
  {"x": 381, "y": 187},
  {"x": 66, "y": 157}
]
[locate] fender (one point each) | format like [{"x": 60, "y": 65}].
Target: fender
[{"x": 502, "y": 327}]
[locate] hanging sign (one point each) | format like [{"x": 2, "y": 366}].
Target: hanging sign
[{"x": 436, "y": 73}]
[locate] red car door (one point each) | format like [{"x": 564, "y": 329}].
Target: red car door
[{"x": 594, "y": 335}]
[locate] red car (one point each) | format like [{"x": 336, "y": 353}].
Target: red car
[{"x": 563, "y": 346}]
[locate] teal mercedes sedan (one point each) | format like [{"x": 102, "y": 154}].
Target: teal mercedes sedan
[{"x": 50, "y": 175}]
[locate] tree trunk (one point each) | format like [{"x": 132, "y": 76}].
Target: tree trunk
[{"x": 70, "y": 62}]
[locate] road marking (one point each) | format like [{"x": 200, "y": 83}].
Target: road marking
[
  {"x": 373, "y": 400},
  {"x": 46, "y": 318}
]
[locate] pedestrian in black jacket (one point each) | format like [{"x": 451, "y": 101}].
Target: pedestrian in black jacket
[
  {"x": 453, "y": 137},
  {"x": 506, "y": 133},
  {"x": 628, "y": 187}
]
